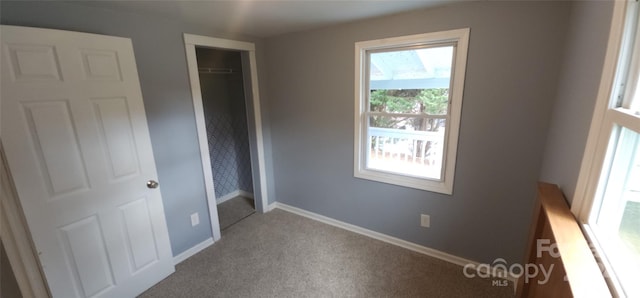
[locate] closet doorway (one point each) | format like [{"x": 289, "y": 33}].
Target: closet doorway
[
  {"x": 225, "y": 114},
  {"x": 227, "y": 109}
]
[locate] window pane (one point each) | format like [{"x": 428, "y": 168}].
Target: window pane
[
  {"x": 411, "y": 69},
  {"x": 412, "y": 146},
  {"x": 410, "y": 101},
  {"x": 618, "y": 218},
  {"x": 410, "y": 80}
]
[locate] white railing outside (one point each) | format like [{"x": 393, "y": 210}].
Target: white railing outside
[{"x": 417, "y": 153}]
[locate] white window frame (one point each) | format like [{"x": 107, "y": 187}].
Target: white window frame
[
  {"x": 607, "y": 121},
  {"x": 460, "y": 39}
]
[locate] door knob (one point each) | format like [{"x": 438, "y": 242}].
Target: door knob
[{"x": 152, "y": 184}]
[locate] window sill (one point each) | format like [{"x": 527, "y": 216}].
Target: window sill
[{"x": 406, "y": 181}]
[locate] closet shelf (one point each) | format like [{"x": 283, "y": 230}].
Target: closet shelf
[{"x": 217, "y": 70}]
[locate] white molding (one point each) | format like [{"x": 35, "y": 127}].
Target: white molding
[
  {"x": 259, "y": 134},
  {"x": 594, "y": 153},
  {"x": 219, "y": 43},
  {"x": 201, "y": 127},
  {"x": 192, "y": 251},
  {"x": 191, "y": 41},
  {"x": 16, "y": 238},
  {"x": 445, "y": 186},
  {"x": 407, "y": 40},
  {"x": 272, "y": 206},
  {"x": 386, "y": 238},
  {"x": 234, "y": 194}
]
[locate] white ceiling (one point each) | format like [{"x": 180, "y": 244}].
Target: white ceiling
[{"x": 265, "y": 18}]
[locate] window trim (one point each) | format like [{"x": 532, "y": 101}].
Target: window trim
[
  {"x": 459, "y": 37},
  {"x": 599, "y": 132},
  {"x": 607, "y": 121}
]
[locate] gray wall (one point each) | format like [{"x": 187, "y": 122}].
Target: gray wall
[
  {"x": 577, "y": 92},
  {"x": 160, "y": 57},
  {"x": 512, "y": 73}
]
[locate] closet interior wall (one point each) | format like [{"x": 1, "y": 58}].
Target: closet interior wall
[{"x": 223, "y": 99}]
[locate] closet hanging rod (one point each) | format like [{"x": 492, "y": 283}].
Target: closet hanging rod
[{"x": 216, "y": 70}]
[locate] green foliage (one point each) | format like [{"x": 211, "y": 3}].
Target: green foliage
[
  {"x": 392, "y": 101},
  {"x": 409, "y": 101},
  {"x": 434, "y": 101}
]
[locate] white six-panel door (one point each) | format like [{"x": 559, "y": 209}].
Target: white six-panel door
[{"x": 77, "y": 144}]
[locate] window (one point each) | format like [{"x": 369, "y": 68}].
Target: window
[
  {"x": 608, "y": 194},
  {"x": 408, "y": 105}
]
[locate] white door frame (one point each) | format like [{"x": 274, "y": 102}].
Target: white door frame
[{"x": 191, "y": 41}]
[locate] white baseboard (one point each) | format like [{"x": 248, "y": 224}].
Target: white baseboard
[
  {"x": 192, "y": 251},
  {"x": 272, "y": 206},
  {"x": 232, "y": 195},
  {"x": 385, "y": 238}
]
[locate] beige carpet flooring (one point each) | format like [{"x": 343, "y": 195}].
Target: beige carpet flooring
[
  {"x": 280, "y": 254},
  {"x": 234, "y": 210}
]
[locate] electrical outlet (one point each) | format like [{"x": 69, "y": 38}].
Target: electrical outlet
[
  {"x": 195, "y": 219},
  {"x": 425, "y": 220}
]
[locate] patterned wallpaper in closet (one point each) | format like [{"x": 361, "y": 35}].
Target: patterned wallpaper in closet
[{"x": 227, "y": 131}]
